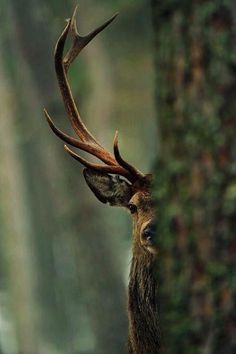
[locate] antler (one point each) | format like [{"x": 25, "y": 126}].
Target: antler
[{"x": 114, "y": 164}]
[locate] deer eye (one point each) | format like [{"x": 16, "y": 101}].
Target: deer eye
[{"x": 132, "y": 208}]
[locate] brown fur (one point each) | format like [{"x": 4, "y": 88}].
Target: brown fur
[
  {"x": 143, "y": 335},
  {"x": 142, "y": 306}
]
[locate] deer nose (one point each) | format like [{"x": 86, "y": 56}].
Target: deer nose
[{"x": 149, "y": 231}]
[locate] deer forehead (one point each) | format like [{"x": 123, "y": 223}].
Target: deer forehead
[{"x": 142, "y": 199}]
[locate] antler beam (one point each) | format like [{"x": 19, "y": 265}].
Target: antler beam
[{"x": 114, "y": 164}]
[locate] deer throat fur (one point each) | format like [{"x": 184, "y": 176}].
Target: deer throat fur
[{"x": 144, "y": 337}]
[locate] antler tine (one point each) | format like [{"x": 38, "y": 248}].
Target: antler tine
[
  {"x": 67, "y": 96},
  {"x": 100, "y": 153},
  {"x": 70, "y": 106},
  {"x": 123, "y": 168},
  {"x": 79, "y": 42},
  {"x": 133, "y": 171},
  {"x": 114, "y": 164},
  {"x": 118, "y": 170},
  {"x": 87, "y": 143},
  {"x": 90, "y": 148},
  {"x": 66, "y": 93}
]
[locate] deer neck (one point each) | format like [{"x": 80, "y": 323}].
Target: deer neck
[{"x": 142, "y": 305}]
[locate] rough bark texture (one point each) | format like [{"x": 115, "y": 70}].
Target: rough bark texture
[{"x": 196, "y": 174}]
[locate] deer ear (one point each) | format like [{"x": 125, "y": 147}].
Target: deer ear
[{"x": 108, "y": 189}]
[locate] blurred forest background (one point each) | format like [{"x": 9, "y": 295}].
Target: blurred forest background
[{"x": 65, "y": 257}]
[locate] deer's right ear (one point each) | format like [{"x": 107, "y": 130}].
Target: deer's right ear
[{"x": 108, "y": 189}]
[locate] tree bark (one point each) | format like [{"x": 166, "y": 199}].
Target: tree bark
[{"x": 196, "y": 174}]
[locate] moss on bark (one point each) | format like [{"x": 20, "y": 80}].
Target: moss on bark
[{"x": 195, "y": 61}]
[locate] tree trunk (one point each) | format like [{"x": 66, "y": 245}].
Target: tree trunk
[{"x": 196, "y": 174}]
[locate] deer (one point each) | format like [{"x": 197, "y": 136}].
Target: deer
[{"x": 116, "y": 182}]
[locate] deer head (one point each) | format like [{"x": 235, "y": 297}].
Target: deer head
[{"x": 115, "y": 182}]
